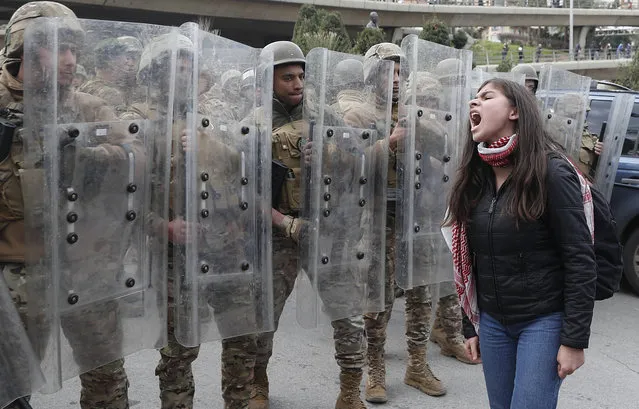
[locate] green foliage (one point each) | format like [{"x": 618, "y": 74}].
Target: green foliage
[
  {"x": 629, "y": 74},
  {"x": 435, "y": 31},
  {"x": 504, "y": 66},
  {"x": 460, "y": 39},
  {"x": 367, "y": 38},
  {"x": 320, "y": 28}
]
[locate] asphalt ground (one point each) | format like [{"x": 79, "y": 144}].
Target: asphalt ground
[{"x": 304, "y": 375}]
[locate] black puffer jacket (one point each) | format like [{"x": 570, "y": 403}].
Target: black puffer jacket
[{"x": 541, "y": 267}]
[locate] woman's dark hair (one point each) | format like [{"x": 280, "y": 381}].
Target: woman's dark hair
[{"x": 528, "y": 198}]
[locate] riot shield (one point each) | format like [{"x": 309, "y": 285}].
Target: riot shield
[
  {"x": 564, "y": 97},
  {"x": 20, "y": 373},
  {"x": 344, "y": 181},
  {"x": 223, "y": 282},
  {"x": 479, "y": 76},
  {"x": 613, "y": 138},
  {"x": 427, "y": 157},
  {"x": 96, "y": 199}
]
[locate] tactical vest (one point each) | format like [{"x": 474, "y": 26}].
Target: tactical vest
[
  {"x": 287, "y": 148},
  {"x": 11, "y": 202}
]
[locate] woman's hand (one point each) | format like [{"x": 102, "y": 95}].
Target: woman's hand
[
  {"x": 569, "y": 360},
  {"x": 472, "y": 349}
]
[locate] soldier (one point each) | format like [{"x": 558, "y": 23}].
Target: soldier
[
  {"x": 107, "y": 385},
  {"x": 418, "y": 373},
  {"x": 348, "y": 82},
  {"x": 116, "y": 64},
  {"x": 288, "y": 87},
  {"x": 591, "y": 147},
  {"x": 532, "y": 80},
  {"x": 174, "y": 371},
  {"x": 343, "y": 257}
]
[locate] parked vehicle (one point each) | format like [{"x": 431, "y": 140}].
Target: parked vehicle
[{"x": 625, "y": 195}]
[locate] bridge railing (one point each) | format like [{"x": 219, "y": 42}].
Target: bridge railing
[
  {"x": 579, "y": 4},
  {"x": 482, "y": 57}
]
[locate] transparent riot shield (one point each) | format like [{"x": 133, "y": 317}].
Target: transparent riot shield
[
  {"x": 479, "y": 76},
  {"x": 95, "y": 188},
  {"x": 20, "y": 373},
  {"x": 564, "y": 97},
  {"x": 433, "y": 99},
  {"x": 613, "y": 138},
  {"x": 343, "y": 191},
  {"x": 222, "y": 278}
]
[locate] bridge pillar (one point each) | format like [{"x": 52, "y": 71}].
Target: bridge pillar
[{"x": 581, "y": 33}]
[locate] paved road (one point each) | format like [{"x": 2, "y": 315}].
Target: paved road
[{"x": 303, "y": 374}]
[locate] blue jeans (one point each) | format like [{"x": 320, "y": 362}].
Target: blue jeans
[{"x": 520, "y": 362}]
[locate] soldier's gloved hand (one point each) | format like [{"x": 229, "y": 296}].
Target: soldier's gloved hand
[
  {"x": 308, "y": 152},
  {"x": 598, "y": 147},
  {"x": 177, "y": 231},
  {"x": 290, "y": 226},
  {"x": 399, "y": 133},
  {"x": 185, "y": 139}
]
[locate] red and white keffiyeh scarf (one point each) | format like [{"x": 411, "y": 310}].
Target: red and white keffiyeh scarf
[
  {"x": 464, "y": 278},
  {"x": 497, "y": 154}
]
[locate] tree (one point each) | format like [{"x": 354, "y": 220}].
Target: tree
[
  {"x": 435, "y": 31},
  {"x": 367, "y": 38},
  {"x": 504, "y": 66},
  {"x": 460, "y": 39},
  {"x": 629, "y": 74},
  {"x": 320, "y": 28}
]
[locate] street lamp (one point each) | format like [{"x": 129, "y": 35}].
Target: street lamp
[{"x": 571, "y": 41}]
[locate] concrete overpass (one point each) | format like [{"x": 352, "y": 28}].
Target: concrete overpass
[
  {"x": 595, "y": 69},
  {"x": 257, "y": 22}
]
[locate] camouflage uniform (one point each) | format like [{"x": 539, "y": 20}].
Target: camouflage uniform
[
  {"x": 587, "y": 155},
  {"x": 106, "y": 386},
  {"x": 121, "y": 91},
  {"x": 418, "y": 299},
  {"x": 174, "y": 370}
]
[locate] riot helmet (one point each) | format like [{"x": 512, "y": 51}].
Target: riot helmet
[
  {"x": 449, "y": 72},
  {"x": 285, "y": 52},
  {"x": 348, "y": 74},
  {"x": 372, "y": 64},
  {"x": 531, "y": 78},
  {"x": 427, "y": 88}
]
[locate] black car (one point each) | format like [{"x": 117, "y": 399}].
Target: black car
[{"x": 625, "y": 195}]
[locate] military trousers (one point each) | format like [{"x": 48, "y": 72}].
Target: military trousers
[
  {"x": 93, "y": 333},
  {"x": 177, "y": 386},
  {"x": 418, "y": 304}
]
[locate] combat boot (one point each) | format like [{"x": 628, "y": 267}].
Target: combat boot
[
  {"x": 259, "y": 392},
  {"x": 419, "y": 375},
  {"x": 376, "y": 380},
  {"x": 450, "y": 345},
  {"x": 349, "y": 381}
]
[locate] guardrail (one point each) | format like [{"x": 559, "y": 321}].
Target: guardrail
[
  {"x": 588, "y": 54},
  {"x": 577, "y": 4}
]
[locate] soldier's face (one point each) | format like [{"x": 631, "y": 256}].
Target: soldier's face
[
  {"x": 126, "y": 64},
  {"x": 492, "y": 116},
  {"x": 531, "y": 85},
  {"x": 288, "y": 84},
  {"x": 67, "y": 61},
  {"x": 396, "y": 77}
]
